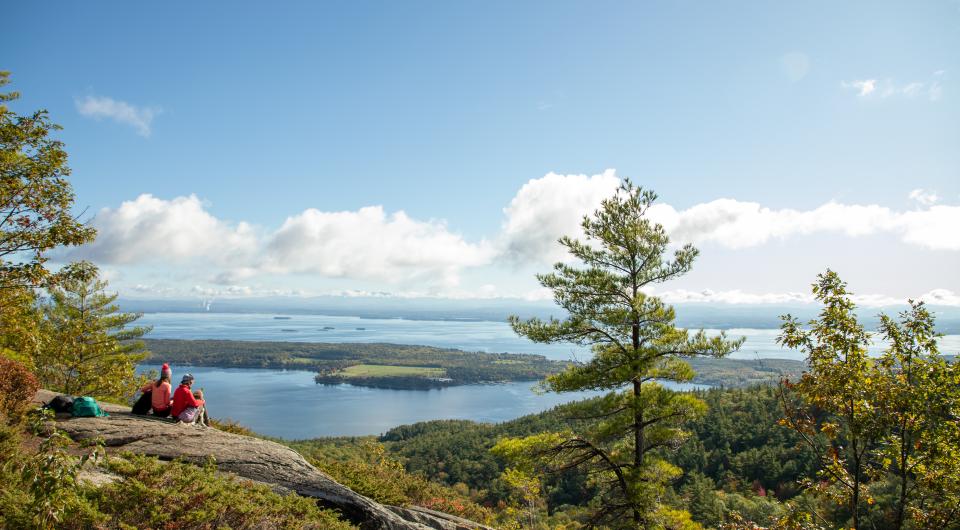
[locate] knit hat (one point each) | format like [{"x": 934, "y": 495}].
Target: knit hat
[
  {"x": 187, "y": 378},
  {"x": 165, "y": 370}
]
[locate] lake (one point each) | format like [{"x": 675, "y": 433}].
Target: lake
[
  {"x": 467, "y": 335},
  {"x": 289, "y": 404}
]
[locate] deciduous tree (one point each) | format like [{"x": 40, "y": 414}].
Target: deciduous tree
[
  {"x": 831, "y": 406},
  {"x": 35, "y": 197}
]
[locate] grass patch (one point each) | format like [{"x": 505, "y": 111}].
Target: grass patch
[{"x": 382, "y": 370}]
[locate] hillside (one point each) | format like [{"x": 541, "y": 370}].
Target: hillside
[{"x": 255, "y": 459}]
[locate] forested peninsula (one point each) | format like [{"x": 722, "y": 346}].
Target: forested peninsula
[{"x": 400, "y": 366}]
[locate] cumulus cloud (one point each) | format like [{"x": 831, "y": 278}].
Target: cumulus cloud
[
  {"x": 549, "y": 207},
  {"x": 545, "y": 209},
  {"x": 152, "y": 229},
  {"x": 370, "y": 244},
  {"x": 373, "y": 245},
  {"x": 140, "y": 118},
  {"x": 739, "y": 224},
  {"x": 363, "y": 244}
]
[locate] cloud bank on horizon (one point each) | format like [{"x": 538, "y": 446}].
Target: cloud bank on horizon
[{"x": 427, "y": 256}]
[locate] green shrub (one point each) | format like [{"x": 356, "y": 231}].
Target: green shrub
[
  {"x": 152, "y": 494},
  {"x": 42, "y": 490},
  {"x": 232, "y": 426},
  {"x": 375, "y": 475}
]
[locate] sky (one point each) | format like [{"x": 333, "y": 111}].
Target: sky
[{"x": 242, "y": 149}]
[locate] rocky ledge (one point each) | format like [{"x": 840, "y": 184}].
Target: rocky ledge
[{"x": 251, "y": 458}]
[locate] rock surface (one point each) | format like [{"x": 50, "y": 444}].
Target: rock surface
[{"x": 251, "y": 458}]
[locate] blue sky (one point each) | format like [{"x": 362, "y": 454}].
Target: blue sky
[{"x": 445, "y": 110}]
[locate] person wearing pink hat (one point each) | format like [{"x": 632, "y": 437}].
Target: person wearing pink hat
[{"x": 160, "y": 390}]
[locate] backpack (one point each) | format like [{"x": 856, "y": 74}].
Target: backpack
[
  {"x": 142, "y": 406},
  {"x": 60, "y": 404},
  {"x": 86, "y": 407}
]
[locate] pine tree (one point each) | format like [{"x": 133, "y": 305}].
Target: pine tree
[
  {"x": 88, "y": 348},
  {"x": 634, "y": 343}
]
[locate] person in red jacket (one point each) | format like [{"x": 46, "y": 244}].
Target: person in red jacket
[{"x": 188, "y": 407}]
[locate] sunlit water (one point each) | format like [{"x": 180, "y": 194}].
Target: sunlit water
[
  {"x": 467, "y": 335},
  {"x": 289, "y": 404}
]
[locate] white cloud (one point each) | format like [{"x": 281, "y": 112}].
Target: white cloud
[
  {"x": 362, "y": 244},
  {"x": 924, "y": 197},
  {"x": 370, "y": 244},
  {"x": 795, "y": 65},
  {"x": 739, "y": 224},
  {"x": 943, "y": 297},
  {"x": 148, "y": 229},
  {"x": 376, "y": 248},
  {"x": 545, "y": 209},
  {"x": 548, "y": 207},
  {"x": 140, "y": 118},
  {"x": 912, "y": 89},
  {"x": 873, "y": 88},
  {"x": 864, "y": 87}
]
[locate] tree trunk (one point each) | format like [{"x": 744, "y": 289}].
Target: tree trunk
[
  {"x": 637, "y": 420},
  {"x": 856, "y": 486}
]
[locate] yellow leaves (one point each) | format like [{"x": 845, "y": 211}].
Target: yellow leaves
[{"x": 830, "y": 429}]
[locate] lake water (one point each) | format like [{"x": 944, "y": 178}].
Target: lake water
[
  {"x": 289, "y": 404},
  {"x": 467, "y": 335}
]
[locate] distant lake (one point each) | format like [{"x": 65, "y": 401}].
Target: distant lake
[
  {"x": 288, "y": 404},
  {"x": 467, "y": 335}
]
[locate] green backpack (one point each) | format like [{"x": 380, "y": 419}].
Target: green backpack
[{"x": 86, "y": 407}]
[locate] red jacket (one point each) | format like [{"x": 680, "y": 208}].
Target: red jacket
[{"x": 183, "y": 398}]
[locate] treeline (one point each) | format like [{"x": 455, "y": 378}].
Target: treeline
[
  {"x": 329, "y": 359},
  {"x": 737, "y": 460}
]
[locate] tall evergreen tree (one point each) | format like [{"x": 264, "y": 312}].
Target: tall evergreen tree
[
  {"x": 88, "y": 348},
  {"x": 634, "y": 343}
]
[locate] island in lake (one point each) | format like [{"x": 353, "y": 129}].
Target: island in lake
[{"x": 401, "y": 366}]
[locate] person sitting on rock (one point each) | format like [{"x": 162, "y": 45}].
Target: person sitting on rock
[
  {"x": 160, "y": 390},
  {"x": 187, "y": 407}
]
